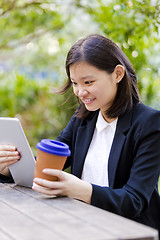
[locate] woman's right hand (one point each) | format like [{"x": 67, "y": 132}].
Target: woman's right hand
[{"x": 8, "y": 156}]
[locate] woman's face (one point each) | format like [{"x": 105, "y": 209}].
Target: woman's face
[{"x": 94, "y": 87}]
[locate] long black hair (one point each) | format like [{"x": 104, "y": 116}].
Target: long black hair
[{"x": 104, "y": 54}]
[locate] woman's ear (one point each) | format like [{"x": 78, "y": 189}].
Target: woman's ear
[{"x": 118, "y": 73}]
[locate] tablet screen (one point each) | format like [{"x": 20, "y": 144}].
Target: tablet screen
[{"x": 11, "y": 132}]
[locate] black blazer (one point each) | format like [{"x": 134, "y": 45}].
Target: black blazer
[{"x": 133, "y": 167}]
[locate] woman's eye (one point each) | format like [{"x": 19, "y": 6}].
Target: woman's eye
[
  {"x": 74, "y": 83},
  {"x": 88, "y": 82}
]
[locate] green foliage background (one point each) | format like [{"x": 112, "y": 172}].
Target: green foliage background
[
  {"x": 42, "y": 114},
  {"x": 36, "y": 35}
]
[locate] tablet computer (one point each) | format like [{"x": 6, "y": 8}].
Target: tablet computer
[{"x": 11, "y": 132}]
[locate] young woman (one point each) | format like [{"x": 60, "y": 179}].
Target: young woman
[{"x": 114, "y": 139}]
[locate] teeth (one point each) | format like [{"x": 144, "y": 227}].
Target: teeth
[{"x": 87, "y": 100}]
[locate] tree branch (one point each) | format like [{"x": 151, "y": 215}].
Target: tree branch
[
  {"x": 11, "y": 6},
  {"x": 14, "y": 7},
  {"x": 28, "y": 38}
]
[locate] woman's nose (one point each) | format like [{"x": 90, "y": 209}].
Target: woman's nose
[{"x": 82, "y": 93}]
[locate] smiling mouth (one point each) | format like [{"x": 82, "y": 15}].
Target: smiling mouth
[{"x": 87, "y": 100}]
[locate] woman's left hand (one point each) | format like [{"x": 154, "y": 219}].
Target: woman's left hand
[{"x": 67, "y": 185}]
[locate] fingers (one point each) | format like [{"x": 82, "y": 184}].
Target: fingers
[
  {"x": 7, "y": 148},
  {"x": 57, "y": 188},
  {"x": 49, "y": 192},
  {"x": 50, "y": 187},
  {"x": 47, "y": 184},
  {"x": 9, "y": 154},
  {"x": 8, "y": 163},
  {"x": 55, "y": 172},
  {"x": 4, "y": 167},
  {"x": 9, "y": 159}
]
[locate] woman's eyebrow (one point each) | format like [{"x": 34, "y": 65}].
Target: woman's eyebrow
[{"x": 85, "y": 77}]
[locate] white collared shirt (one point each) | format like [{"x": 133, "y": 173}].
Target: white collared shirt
[{"x": 95, "y": 169}]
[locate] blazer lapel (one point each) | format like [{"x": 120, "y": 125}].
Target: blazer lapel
[
  {"x": 123, "y": 126},
  {"x": 82, "y": 142}
]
